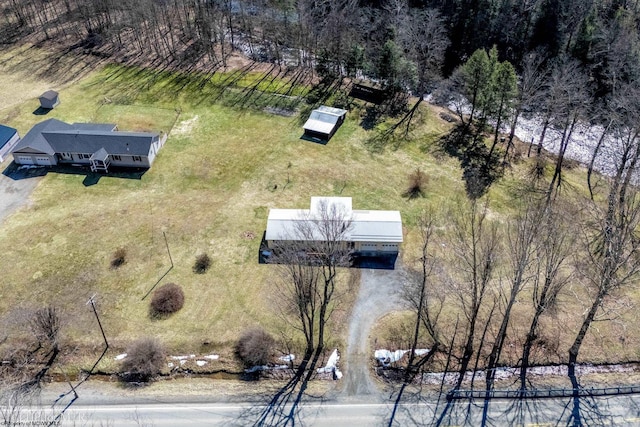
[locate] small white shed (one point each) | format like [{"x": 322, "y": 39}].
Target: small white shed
[{"x": 324, "y": 122}]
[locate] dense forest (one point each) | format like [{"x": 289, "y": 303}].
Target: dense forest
[{"x": 409, "y": 42}]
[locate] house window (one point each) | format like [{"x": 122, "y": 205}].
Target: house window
[
  {"x": 137, "y": 159},
  {"x": 85, "y": 156},
  {"x": 116, "y": 158}
]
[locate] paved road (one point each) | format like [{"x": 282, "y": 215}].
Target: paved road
[{"x": 618, "y": 411}]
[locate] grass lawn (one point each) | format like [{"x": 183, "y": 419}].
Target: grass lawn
[
  {"x": 225, "y": 163},
  {"x": 209, "y": 191}
]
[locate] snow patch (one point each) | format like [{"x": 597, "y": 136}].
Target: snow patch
[
  {"x": 387, "y": 357},
  {"x": 580, "y": 148},
  {"x": 259, "y": 368},
  {"x": 212, "y": 357},
  {"x": 190, "y": 356},
  {"x": 120, "y": 356},
  {"x": 538, "y": 371},
  {"x": 201, "y": 362},
  {"x": 332, "y": 366},
  {"x": 287, "y": 358}
]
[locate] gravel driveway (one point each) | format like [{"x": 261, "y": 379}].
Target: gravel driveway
[
  {"x": 378, "y": 295},
  {"x": 16, "y": 186}
]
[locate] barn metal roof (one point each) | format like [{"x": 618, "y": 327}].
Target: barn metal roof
[
  {"x": 366, "y": 226},
  {"x": 324, "y": 119}
]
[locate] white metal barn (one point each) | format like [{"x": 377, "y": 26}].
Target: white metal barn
[{"x": 374, "y": 237}]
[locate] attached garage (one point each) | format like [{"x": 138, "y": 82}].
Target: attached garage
[
  {"x": 33, "y": 159},
  {"x": 43, "y": 161},
  {"x": 24, "y": 160}
]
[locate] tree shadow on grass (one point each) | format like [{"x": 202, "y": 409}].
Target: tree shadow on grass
[
  {"x": 480, "y": 168},
  {"x": 276, "y": 89}
]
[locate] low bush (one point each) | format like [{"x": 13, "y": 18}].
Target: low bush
[
  {"x": 167, "y": 299},
  {"x": 203, "y": 262},
  {"x": 417, "y": 181},
  {"x": 145, "y": 359},
  {"x": 255, "y": 347},
  {"x": 119, "y": 257}
]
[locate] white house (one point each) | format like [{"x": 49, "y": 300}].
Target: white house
[
  {"x": 373, "y": 238},
  {"x": 96, "y": 145}
]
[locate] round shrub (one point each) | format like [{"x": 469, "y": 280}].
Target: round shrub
[
  {"x": 255, "y": 347},
  {"x": 167, "y": 299},
  {"x": 119, "y": 257},
  {"x": 145, "y": 359},
  {"x": 203, "y": 262}
]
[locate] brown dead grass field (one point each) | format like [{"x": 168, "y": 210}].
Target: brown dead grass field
[{"x": 209, "y": 191}]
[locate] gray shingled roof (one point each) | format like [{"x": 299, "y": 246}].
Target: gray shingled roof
[
  {"x": 127, "y": 143},
  {"x": 50, "y": 95},
  {"x": 34, "y": 139},
  {"x": 53, "y": 136},
  {"x": 105, "y": 127},
  {"x": 101, "y": 155}
]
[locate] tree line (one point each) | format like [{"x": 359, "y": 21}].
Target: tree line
[{"x": 402, "y": 41}]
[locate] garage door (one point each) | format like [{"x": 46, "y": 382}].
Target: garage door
[
  {"x": 24, "y": 160},
  {"x": 43, "y": 161},
  {"x": 368, "y": 247}
]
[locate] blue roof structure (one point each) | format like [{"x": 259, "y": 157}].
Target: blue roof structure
[{"x": 6, "y": 133}]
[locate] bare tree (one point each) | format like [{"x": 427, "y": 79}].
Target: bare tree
[
  {"x": 571, "y": 100},
  {"x": 554, "y": 242},
  {"x": 310, "y": 258},
  {"x": 611, "y": 241},
  {"x": 521, "y": 238},
  {"x": 475, "y": 246},
  {"x": 427, "y": 303},
  {"x": 25, "y": 364},
  {"x": 530, "y": 86},
  {"x": 422, "y": 34}
]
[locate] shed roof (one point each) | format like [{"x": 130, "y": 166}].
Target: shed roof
[
  {"x": 6, "y": 134},
  {"x": 366, "y": 226},
  {"x": 51, "y": 95},
  {"x": 324, "y": 119}
]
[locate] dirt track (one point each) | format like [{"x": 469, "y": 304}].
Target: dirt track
[{"x": 378, "y": 295}]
